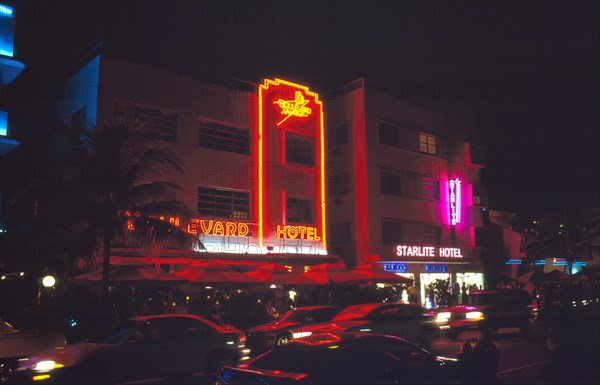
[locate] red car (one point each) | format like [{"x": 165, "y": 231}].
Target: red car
[{"x": 408, "y": 321}]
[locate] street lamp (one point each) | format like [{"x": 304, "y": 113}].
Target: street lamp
[{"x": 48, "y": 281}]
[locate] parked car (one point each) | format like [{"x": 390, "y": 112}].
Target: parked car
[
  {"x": 344, "y": 358},
  {"x": 17, "y": 345},
  {"x": 488, "y": 311},
  {"x": 141, "y": 348},
  {"x": 408, "y": 321},
  {"x": 266, "y": 336}
]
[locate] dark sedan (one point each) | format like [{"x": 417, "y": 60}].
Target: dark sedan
[
  {"x": 140, "y": 348},
  {"x": 488, "y": 311},
  {"x": 408, "y": 321},
  {"x": 266, "y": 336},
  {"x": 344, "y": 358}
]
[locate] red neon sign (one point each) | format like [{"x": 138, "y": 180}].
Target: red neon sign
[
  {"x": 454, "y": 200},
  {"x": 285, "y": 106}
]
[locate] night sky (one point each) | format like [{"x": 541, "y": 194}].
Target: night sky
[{"x": 528, "y": 69}]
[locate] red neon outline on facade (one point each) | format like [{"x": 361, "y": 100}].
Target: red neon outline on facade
[{"x": 261, "y": 146}]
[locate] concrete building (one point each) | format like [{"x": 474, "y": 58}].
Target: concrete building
[
  {"x": 10, "y": 69},
  {"x": 254, "y": 154},
  {"x": 405, "y": 186}
]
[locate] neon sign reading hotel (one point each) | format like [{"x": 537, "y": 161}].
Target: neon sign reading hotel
[
  {"x": 427, "y": 251},
  {"x": 454, "y": 200}
]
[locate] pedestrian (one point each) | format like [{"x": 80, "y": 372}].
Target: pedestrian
[
  {"x": 467, "y": 373},
  {"x": 463, "y": 299},
  {"x": 456, "y": 293},
  {"x": 486, "y": 359}
]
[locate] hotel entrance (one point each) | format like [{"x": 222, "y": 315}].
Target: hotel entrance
[{"x": 428, "y": 299}]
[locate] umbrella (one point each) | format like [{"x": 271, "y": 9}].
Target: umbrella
[
  {"x": 377, "y": 274},
  {"x": 214, "y": 273},
  {"x": 333, "y": 273},
  {"x": 274, "y": 273},
  {"x": 130, "y": 274}
]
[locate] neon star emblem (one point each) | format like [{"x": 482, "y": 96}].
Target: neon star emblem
[{"x": 296, "y": 107}]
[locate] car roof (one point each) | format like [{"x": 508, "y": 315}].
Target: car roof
[
  {"x": 341, "y": 337},
  {"x": 315, "y": 307},
  {"x": 223, "y": 328}
]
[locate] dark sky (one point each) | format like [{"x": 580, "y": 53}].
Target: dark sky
[{"x": 529, "y": 69}]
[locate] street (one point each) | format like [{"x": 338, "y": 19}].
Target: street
[{"x": 523, "y": 360}]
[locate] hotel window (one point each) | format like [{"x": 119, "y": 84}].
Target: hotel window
[
  {"x": 299, "y": 150},
  {"x": 224, "y": 138},
  {"x": 427, "y": 143},
  {"x": 299, "y": 211},
  {"x": 433, "y": 234},
  {"x": 223, "y": 203},
  {"x": 162, "y": 120},
  {"x": 390, "y": 182},
  {"x": 339, "y": 184},
  {"x": 337, "y": 136},
  {"x": 389, "y": 134},
  {"x": 391, "y": 231},
  {"x": 430, "y": 188}
]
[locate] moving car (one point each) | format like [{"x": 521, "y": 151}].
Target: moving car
[
  {"x": 408, "y": 321},
  {"x": 140, "y": 348},
  {"x": 488, "y": 311},
  {"x": 266, "y": 336},
  {"x": 17, "y": 345},
  {"x": 344, "y": 358}
]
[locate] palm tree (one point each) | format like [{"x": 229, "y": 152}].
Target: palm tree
[{"x": 102, "y": 183}]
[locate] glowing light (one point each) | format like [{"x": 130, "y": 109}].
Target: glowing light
[
  {"x": 5, "y": 10},
  {"x": 273, "y": 286},
  {"x": 3, "y": 123},
  {"x": 443, "y": 316},
  {"x": 428, "y": 251},
  {"x": 454, "y": 200},
  {"x": 239, "y": 229},
  {"x": 296, "y": 107},
  {"x": 301, "y": 334},
  {"x": 40, "y": 377},
  {"x": 474, "y": 315},
  {"x": 48, "y": 281},
  {"x": 47, "y": 365},
  {"x": 261, "y": 181},
  {"x": 297, "y": 232}
]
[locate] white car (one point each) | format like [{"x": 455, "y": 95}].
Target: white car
[
  {"x": 139, "y": 349},
  {"x": 16, "y": 346}
]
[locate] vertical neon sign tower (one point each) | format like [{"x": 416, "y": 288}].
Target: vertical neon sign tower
[
  {"x": 289, "y": 111},
  {"x": 454, "y": 202}
]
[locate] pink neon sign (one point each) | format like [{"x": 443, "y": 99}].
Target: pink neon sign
[{"x": 454, "y": 200}]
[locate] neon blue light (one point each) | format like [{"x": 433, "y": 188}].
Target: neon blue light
[
  {"x": 7, "y": 30},
  {"x": 513, "y": 262},
  {"x": 3, "y": 123},
  {"x": 6, "y": 9}
]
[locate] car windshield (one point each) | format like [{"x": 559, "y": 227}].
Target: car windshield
[
  {"x": 295, "y": 316},
  {"x": 356, "y": 311},
  {"x": 119, "y": 334}
]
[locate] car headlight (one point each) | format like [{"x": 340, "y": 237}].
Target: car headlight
[
  {"x": 443, "y": 316},
  {"x": 474, "y": 315},
  {"x": 47, "y": 365},
  {"x": 301, "y": 334}
]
